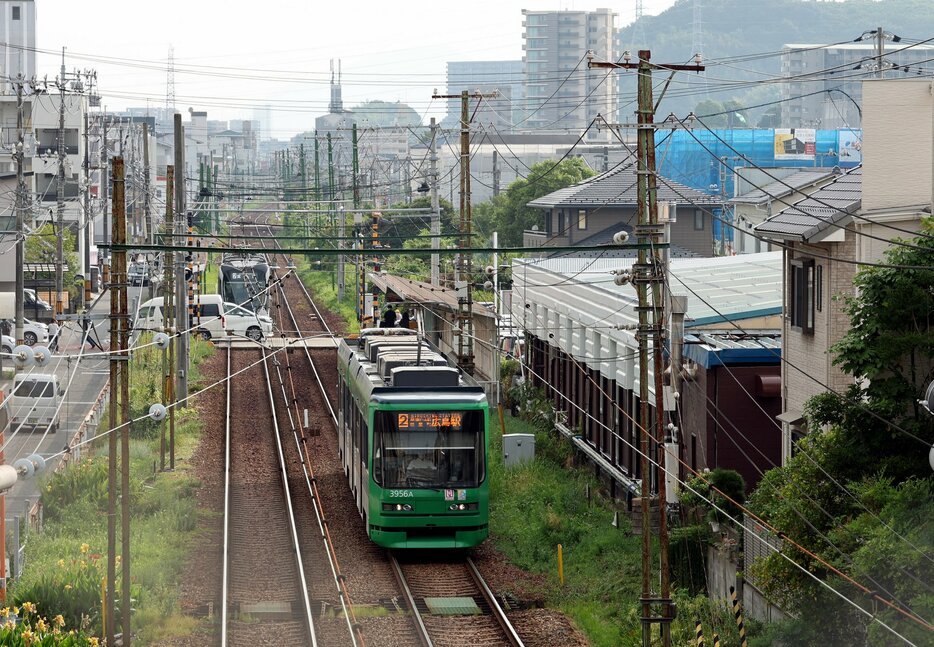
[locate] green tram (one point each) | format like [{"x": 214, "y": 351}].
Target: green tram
[{"x": 413, "y": 440}]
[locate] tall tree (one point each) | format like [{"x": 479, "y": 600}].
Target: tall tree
[{"x": 508, "y": 214}]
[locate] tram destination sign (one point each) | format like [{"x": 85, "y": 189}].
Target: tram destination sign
[{"x": 429, "y": 420}]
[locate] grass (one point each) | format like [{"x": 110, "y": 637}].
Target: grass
[
  {"x": 163, "y": 511},
  {"x": 321, "y": 284},
  {"x": 542, "y": 503}
]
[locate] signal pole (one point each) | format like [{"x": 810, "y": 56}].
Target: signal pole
[{"x": 647, "y": 273}]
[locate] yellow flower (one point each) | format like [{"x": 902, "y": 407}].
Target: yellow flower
[
  {"x": 118, "y": 560},
  {"x": 15, "y": 611},
  {"x": 40, "y": 625},
  {"x": 68, "y": 587},
  {"x": 9, "y": 624},
  {"x": 61, "y": 563},
  {"x": 5, "y": 611},
  {"x": 28, "y": 607},
  {"x": 59, "y": 621},
  {"x": 92, "y": 641},
  {"x": 85, "y": 548}
]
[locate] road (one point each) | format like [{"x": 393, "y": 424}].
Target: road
[{"x": 90, "y": 377}]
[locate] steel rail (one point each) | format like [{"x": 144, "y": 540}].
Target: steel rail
[
  {"x": 310, "y": 483},
  {"x": 511, "y": 635},
  {"x": 423, "y": 635},
  {"x": 225, "y": 602},
  {"x": 288, "y": 502}
]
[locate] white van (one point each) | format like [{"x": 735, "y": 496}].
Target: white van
[
  {"x": 217, "y": 319},
  {"x": 35, "y": 401}
]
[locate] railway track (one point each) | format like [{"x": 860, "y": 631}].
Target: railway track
[
  {"x": 264, "y": 591},
  {"x": 452, "y": 604},
  {"x": 427, "y": 594}
]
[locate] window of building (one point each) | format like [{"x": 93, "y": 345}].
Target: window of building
[
  {"x": 802, "y": 295},
  {"x": 15, "y": 13},
  {"x": 582, "y": 219},
  {"x": 698, "y": 220},
  {"x": 560, "y": 229},
  {"x": 819, "y": 287}
]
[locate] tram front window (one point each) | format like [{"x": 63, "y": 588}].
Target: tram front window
[{"x": 428, "y": 449}]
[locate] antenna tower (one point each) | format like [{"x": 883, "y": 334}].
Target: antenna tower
[
  {"x": 170, "y": 84},
  {"x": 697, "y": 43},
  {"x": 638, "y": 31}
]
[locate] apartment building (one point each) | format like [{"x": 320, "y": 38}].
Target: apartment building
[{"x": 561, "y": 93}]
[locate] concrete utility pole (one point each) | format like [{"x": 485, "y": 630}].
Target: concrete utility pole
[
  {"x": 181, "y": 311},
  {"x": 646, "y": 274},
  {"x": 150, "y": 234},
  {"x": 435, "y": 206},
  {"x": 88, "y": 221},
  {"x": 60, "y": 215},
  {"x": 496, "y": 173},
  {"x": 20, "y": 208},
  {"x": 168, "y": 358},
  {"x": 105, "y": 201},
  {"x": 880, "y": 52}
]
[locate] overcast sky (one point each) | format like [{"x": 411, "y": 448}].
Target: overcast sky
[{"x": 394, "y": 50}]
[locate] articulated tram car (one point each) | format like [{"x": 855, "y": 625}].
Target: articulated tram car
[
  {"x": 243, "y": 279},
  {"x": 413, "y": 440}
]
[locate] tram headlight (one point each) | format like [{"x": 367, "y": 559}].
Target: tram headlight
[
  {"x": 397, "y": 507},
  {"x": 460, "y": 507}
]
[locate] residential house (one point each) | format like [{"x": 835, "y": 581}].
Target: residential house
[
  {"x": 849, "y": 221},
  {"x": 592, "y": 211},
  {"x": 760, "y": 192}
]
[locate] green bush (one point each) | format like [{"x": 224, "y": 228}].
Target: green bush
[{"x": 72, "y": 589}]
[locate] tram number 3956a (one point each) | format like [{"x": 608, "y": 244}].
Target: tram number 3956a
[{"x": 401, "y": 493}]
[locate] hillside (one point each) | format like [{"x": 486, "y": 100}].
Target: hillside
[{"x": 733, "y": 28}]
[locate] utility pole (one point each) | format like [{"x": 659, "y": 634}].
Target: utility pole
[
  {"x": 646, "y": 274},
  {"x": 60, "y": 215},
  {"x": 496, "y": 173},
  {"x": 20, "y": 208},
  {"x": 88, "y": 221},
  {"x": 435, "y": 206},
  {"x": 168, "y": 269},
  {"x": 880, "y": 52},
  {"x": 317, "y": 185},
  {"x": 119, "y": 417},
  {"x": 340, "y": 215},
  {"x": 150, "y": 234},
  {"x": 464, "y": 284},
  {"x": 105, "y": 201},
  {"x": 181, "y": 311}
]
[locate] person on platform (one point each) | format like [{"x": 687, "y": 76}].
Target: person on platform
[
  {"x": 53, "y": 335},
  {"x": 404, "y": 320},
  {"x": 389, "y": 317}
]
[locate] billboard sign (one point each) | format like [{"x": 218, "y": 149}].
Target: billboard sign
[
  {"x": 795, "y": 143},
  {"x": 850, "y": 146}
]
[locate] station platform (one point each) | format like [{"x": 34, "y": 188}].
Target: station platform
[{"x": 276, "y": 343}]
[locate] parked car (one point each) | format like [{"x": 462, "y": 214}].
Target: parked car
[
  {"x": 35, "y": 401},
  {"x": 7, "y": 344},
  {"x": 34, "y": 332},
  {"x": 138, "y": 274},
  {"x": 217, "y": 319},
  {"x": 38, "y": 308}
]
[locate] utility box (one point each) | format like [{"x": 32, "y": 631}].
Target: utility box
[{"x": 518, "y": 448}]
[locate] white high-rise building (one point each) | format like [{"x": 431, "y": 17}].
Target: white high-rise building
[
  {"x": 17, "y": 41},
  {"x": 561, "y": 93}
]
